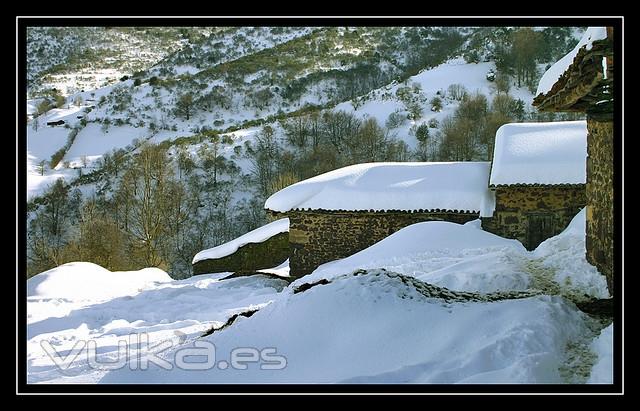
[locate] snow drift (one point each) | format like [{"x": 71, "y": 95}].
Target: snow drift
[
  {"x": 602, "y": 371},
  {"x": 460, "y": 257},
  {"x": 88, "y": 281},
  {"x": 377, "y": 328},
  {"x": 564, "y": 255}
]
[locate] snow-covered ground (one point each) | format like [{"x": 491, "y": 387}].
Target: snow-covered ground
[
  {"x": 378, "y": 329},
  {"x": 602, "y": 372},
  {"x": 81, "y": 302},
  {"x": 384, "y": 325}
]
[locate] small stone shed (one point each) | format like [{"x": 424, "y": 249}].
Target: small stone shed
[
  {"x": 538, "y": 176},
  {"x": 344, "y": 211},
  {"x": 264, "y": 247},
  {"x": 583, "y": 81}
]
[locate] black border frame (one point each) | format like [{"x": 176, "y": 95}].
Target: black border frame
[{"x": 21, "y": 144}]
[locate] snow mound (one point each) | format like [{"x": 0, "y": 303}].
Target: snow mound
[
  {"x": 552, "y": 75},
  {"x": 256, "y": 236},
  {"x": 88, "y": 281},
  {"x": 540, "y": 153},
  {"x": 377, "y": 328},
  {"x": 165, "y": 311},
  {"x": 460, "y": 257},
  {"x": 392, "y": 186},
  {"x": 565, "y": 253},
  {"x": 602, "y": 371}
]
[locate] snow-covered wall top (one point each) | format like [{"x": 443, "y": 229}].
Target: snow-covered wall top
[
  {"x": 258, "y": 235},
  {"x": 392, "y": 186},
  {"x": 540, "y": 153},
  {"x": 553, "y": 74}
]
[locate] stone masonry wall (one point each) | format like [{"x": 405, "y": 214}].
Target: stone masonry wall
[
  {"x": 515, "y": 205},
  {"x": 600, "y": 197},
  {"x": 250, "y": 257},
  {"x": 317, "y": 237}
]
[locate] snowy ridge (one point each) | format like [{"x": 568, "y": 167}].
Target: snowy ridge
[
  {"x": 409, "y": 186},
  {"x": 552, "y": 75},
  {"x": 540, "y": 153},
  {"x": 258, "y": 235}
]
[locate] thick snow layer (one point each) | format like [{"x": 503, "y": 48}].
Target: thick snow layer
[
  {"x": 376, "y": 328},
  {"x": 391, "y": 186},
  {"x": 81, "y": 280},
  {"x": 459, "y": 257},
  {"x": 552, "y": 75},
  {"x": 564, "y": 255},
  {"x": 175, "y": 311},
  {"x": 540, "y": 153},
  {"x": 256, "y": 236},
  {"x": 602, "y": 371},
  {"x": 331, "y": 333}
]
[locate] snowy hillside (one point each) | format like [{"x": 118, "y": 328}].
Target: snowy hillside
[
  {"x": 71, "y": 59},
  {"x": 512, "y": 322},
  {"x": 425, "y": 86},
  {"x": 94, "y": 139},
  {"x": 239, "y": 77}
]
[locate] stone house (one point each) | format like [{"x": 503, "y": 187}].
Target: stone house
[
  {"x": 582, "y": 81},
  {"x": 262, "y": 248},
  {"x": 538, "y": 178},
  {"x": 344, "y": 211}
]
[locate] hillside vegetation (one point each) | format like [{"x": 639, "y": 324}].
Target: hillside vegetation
[{"x": 174, "y": 137}]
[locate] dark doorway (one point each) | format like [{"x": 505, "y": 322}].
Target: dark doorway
[{"x": 541, "y": 227}]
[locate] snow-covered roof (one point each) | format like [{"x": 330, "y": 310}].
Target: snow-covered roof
[
  {"x": 460, "y": 186},
  {"x": 540, "y": 153},
  {"x": 552, "y": 75},
  {"x": 258, "y": 235}
]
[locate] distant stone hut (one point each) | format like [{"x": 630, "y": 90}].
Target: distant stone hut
[
  {"x": 538, "y": 177},
  {"x": 582, "y": 81},
  {"x": 344, "y": 211},
  {"x": 262, "y": 248}
]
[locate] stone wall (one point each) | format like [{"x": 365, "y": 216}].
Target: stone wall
[
  {"x": 600, "y": 197},
  {"x": 518, "y": 206},
  {"x": 250, "y": 257},
  {"x": 317, "y": 237}
]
